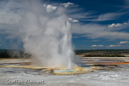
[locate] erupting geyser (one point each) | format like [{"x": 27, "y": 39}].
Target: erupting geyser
[{"x": 45, "y": 33}]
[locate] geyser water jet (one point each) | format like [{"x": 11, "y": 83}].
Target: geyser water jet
[{"x": 45, "y": 33}]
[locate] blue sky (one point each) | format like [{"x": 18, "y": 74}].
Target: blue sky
[
  {"x": 105, "y": 24},
  {"x": 95, "y": 24}
]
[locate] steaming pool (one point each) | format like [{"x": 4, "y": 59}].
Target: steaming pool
[{"x": 31, "y": 77}]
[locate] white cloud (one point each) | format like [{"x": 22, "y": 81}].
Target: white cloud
[
  {"x": 106, "y": 17},
  {"x": 113, "y": 25},
  {"x": 76, "y": 14},
  {"x": 97, "y": 46},
  {"x": 73, "y": 20},
  {"x": 124, "y": 42},
  {"x": 50, "y": 8},
  {"x": 114, "y": 45},
  {"x": 79, "y": 14},
  {"x": 98, "y": 31},
  {"x": 94, "y": 46},
  {"x": 86, "y": 30},
  {"x": 67, "y": 4}
]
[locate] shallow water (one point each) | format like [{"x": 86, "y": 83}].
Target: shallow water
[{"x": 21, "y": 77}]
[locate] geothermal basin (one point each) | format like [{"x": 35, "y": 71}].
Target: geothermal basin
[{"x": 14, "y": 71}]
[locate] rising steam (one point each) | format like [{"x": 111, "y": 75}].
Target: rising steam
[{"x": 45, "y": 33}]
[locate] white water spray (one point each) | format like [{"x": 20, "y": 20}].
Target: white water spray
[
  {"x": 43, "y": 29},
  {"x": 46, "y": 34}
]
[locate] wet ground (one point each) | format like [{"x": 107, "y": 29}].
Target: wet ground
[{"x": 106, "y": 75}]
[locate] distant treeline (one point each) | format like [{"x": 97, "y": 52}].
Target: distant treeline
[
  {"x": 103, "y": 53},
  {"x": 106, "y": 51},
  {"x": 11, "y": 53},
  {"x": 99, "y": 55}
]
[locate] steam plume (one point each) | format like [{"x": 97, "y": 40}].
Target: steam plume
[{"x": 45, "y": 33}]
